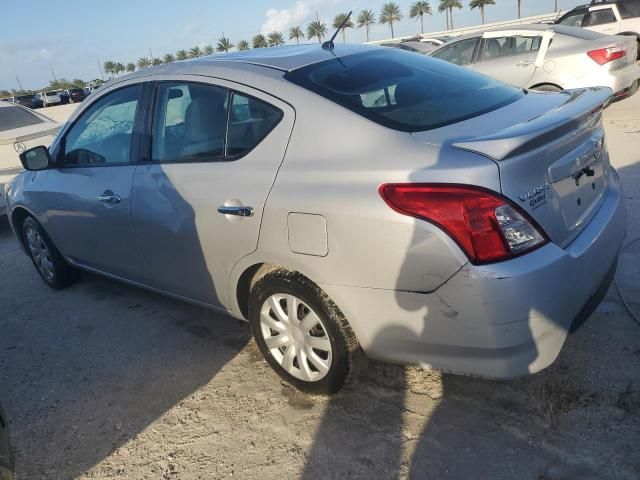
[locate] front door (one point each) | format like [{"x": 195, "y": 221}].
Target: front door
[
  {"x": 89, "y": 193},
  {"x": 198, "y": 201}
]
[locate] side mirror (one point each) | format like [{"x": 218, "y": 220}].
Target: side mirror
[{"x": 36, "y": 158}]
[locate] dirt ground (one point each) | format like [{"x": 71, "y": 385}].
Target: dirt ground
[{"x": 104, "y": 381}]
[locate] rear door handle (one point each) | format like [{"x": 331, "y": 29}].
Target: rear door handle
[
  {"x": 525, "y": 63},
  {"x": 237, "y": 211},
  {"x": 109, "y": 197}
]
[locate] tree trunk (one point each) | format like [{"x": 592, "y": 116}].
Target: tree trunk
[
  {"x": 422, "y": 24},
  {"x": 367, "y": 28},
  {"x": 391, "y": 25},
  {"x": 451, "y": 10},
  {"x": 482, "y": 13},
  {"x": 519, "y": 9},
  {"x": 556, "y": 6},
  {"x": 344, "y": 36}
]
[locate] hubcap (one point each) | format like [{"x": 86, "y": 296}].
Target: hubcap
[
  {"x": 296, "y": 337},
  {"x": 40, "y": 254}
]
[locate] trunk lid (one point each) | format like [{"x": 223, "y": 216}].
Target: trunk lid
[{"x": 553, "y": 161}]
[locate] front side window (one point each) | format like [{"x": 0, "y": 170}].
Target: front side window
[
  {"x": 460, "y": 53},
  {"x": 495, "y": 48},
  {"x": 600, "y": 17},
  {"x": 189, "y": 122},
  {"x": 404, "y": 91},
  {"x": 103, "y": 134}
]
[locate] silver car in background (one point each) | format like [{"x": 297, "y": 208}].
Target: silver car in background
[
  {"x": 549, "y": 57},
  {"x": 341, "y": 200}
]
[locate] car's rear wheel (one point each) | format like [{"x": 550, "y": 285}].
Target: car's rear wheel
[
  {"x": 301, "y": 333},
  {"x": 45, "y": 257}
]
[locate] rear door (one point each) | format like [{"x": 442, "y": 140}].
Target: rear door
[
  {"x": 510, "y": 58},
  {"x": 213, "y": 156}
]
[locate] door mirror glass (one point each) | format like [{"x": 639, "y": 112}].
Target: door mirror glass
[{"x": 36, "y": 159}]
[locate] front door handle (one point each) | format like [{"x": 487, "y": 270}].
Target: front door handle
[
  {"x": 525, "y": 63},
  {"x": 237, "y": 211},
  {"x": 109, "y": 197}
]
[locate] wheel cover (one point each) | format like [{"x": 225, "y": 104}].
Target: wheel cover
[
  {"x": 296, "y": 337},
  {"x": 40, "y": 254}
]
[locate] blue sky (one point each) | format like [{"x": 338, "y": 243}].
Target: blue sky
[{"x": 71, "y": 36}]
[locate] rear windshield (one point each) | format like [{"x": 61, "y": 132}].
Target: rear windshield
[
  {"x": 76, "y": 90},
  {"x": 51, "y": 94},
  {"x": 16, "y": 117},
  {"x": 25, "y": 97},
  {"x": 581, "y": 33},
  {"x": 404, "y": 91}
]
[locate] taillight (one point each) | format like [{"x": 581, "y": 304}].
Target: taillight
[
  {"x": 486, "y": 226},
  {"x": 606, "y": 55}
]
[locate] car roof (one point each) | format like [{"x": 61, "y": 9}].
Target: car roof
[{"x": 284, "y": 58}]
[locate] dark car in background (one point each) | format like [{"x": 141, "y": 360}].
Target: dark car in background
[
  {"x": 74, "y": 95},
  {"x": 30, "y": 101},
  {"x": 6, "y": 457}
]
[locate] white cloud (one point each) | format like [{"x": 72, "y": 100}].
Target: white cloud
[{"x": 298, "y": 13}]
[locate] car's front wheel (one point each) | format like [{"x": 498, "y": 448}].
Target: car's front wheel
[
  {"x": 302, "y": 333},
  {"x": 45, "y": 257}
]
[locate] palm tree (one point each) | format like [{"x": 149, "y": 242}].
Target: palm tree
[
  {"x": 296, "y": 33},
  {"x": 366, "y": 18},
  {"x": 208, "y": 50},
  {"x": 317, "y": 29},
  {"x": 260, "y": 41},
  {"x": 109, "y": 67},
  {"x": 195, "y": 52},
  {"x": 131, "y": 67},
  {"x": 181, "y": 55},
  {"x": 243, "y": 45},
  {"x": 119, "y": 68},
  {"x": 448, "y": 6},
  {"x": 168, "y": 58},
  {"x": 419, "y": 10},
  {"x": 275, "y": 39},
  {"x": 481, "y": 4},
  {"x": 390, "y": 13},
  {"x": 224, "y": 44},
  {"x": 339, "y": 20},
  {"x": 143, "y": 62}
]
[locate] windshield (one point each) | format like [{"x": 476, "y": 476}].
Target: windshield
[
  {"x": 16, "y": 117},
  {"x": 404, "y": 91}
]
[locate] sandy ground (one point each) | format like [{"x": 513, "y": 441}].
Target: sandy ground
[{"x": 106, "y": 381}]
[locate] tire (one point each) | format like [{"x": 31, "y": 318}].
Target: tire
[
  {"x": 325, "y": 369},
  {"x": 45, "y": 256},
  {"x": 547, "y": 88}
]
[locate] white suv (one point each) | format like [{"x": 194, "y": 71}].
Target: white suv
[{"x": 612, "y": 17}]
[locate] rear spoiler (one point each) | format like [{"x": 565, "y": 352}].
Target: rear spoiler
[{"x": 580, "y": 106}]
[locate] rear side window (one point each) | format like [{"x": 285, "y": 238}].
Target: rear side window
[
  {"x": 600, "y": 17},
  {"x": 495, "y": 48},
  {"x": 573, "y": 19},
  {"x": 16, "y": 117},
  {"x": 250, "y": 120},
  {"x": 194, "y": 122},
  {"x": 404, "y": 91},
  {"x": 460, "y": 53}
]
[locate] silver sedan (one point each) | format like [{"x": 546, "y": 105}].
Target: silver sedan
[
  {"x": 346, "y": 200},
  {"x": 549, "y": 57}
]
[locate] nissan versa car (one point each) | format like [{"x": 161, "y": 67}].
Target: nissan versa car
[{"x": 346, "y": 200}]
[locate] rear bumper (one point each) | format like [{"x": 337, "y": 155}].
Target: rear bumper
[
  {"x": 500, "y": 321},
  {"x": 623, "y": 81}
]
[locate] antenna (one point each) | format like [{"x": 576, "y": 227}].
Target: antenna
[{"x": 329, "y": 45}]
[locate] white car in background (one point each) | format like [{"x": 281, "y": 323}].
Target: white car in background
[
  {"x": 20, "y": 129},
  {"x": 49, "y": 98}
]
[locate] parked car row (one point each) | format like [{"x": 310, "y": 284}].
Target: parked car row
[{"x": 49, "y": 98}]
